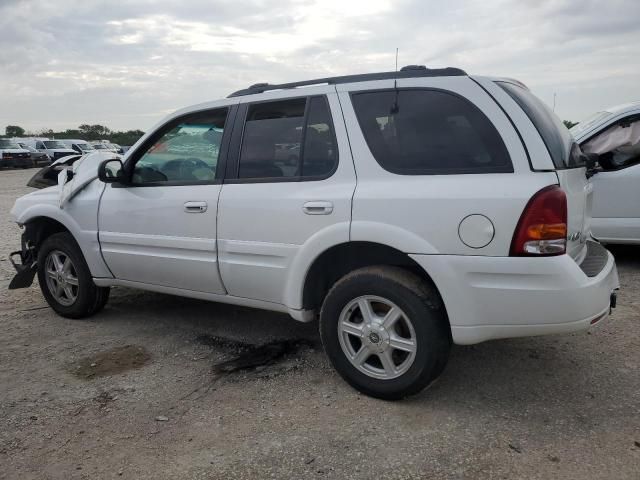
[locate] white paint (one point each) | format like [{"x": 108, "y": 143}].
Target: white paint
[
  {"x": 253, "y": 244},
  {"x": 476, "y": 231},
  {"x": 616, "y": 193}
]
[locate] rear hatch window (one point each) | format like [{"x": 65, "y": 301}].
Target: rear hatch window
[{"x": 564, "y": 152}]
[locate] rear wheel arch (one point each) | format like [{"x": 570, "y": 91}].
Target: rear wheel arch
[{"x": 339, "y": 260}]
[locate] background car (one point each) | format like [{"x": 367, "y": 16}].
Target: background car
[
  {"x": 55, "y": 149},
  {"x": 614, "y": 136},
  {"x": 104, "y": 146},
  {"x": 78, "y": 146},
  {"x": 37, "y": 158},
  {"x": 12, "y": 155}
]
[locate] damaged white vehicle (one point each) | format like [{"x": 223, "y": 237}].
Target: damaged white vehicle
[
  {"x": 412, "y": 210},
  {"x": 613, "y": 137}
]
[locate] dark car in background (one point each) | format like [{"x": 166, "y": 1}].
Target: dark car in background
[
  {"x": 38, "y": 159},
  {"x": 12, "y": 155}
]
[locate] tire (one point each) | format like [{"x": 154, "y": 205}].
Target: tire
[
  {"x": 417, "y": 344},
  {"x": 81, "y": 300}
]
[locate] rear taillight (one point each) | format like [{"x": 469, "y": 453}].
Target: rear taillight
[{"x": 542, "y": 229}]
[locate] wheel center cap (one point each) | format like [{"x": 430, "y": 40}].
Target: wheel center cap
[{"x": 374, "y": 338}]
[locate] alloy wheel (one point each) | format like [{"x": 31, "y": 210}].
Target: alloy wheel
[
  {"x": 62, "y": 278},
  {"x": 377, "y": 337}
]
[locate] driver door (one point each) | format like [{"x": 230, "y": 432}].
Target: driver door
[{"x": 161, "y": 228}]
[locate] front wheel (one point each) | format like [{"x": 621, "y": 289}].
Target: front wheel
[
  {"x": 385, "y": 331},
  {"x": 65, "y": 279}
]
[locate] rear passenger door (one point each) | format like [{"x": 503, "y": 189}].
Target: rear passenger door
[{"x": 290, "y": 179}]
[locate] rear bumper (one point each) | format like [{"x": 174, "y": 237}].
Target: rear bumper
[{"x": 500, "y": 297}]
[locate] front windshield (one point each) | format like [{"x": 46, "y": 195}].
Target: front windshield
[
  {"x": 99, "y": 146},
  {"x": 85, "y": 147},
  {"x": 54, "y": 144},
  {"x": 8, "y": 144},
  {"x": 589, "y": 122}
]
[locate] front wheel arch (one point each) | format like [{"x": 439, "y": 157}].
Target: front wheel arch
[{"x": 37, "y": 230}]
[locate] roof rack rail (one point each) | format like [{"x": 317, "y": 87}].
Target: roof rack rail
[{"x": 410, "y": 71}]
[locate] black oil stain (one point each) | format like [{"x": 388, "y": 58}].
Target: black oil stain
[{"x": 246, "y": 357}]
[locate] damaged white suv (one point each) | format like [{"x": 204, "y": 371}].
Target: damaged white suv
[{"x": 408, "y": 210}]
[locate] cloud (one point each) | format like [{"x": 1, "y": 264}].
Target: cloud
[{"x": 125, "y": 64}]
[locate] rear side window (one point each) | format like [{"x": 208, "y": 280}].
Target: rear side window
[
  {"x": 429, "y": 132},
  {"x": 288, "y": 140},
  {"x": 555, "y": 135}
]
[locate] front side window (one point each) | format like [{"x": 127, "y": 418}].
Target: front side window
[
  {"x": 618, "y": 146},
  {"x": 423, "y": 132},
  {"x": 187, "y": 152},
  {"x": 82, "y": 147},
  {"x": 288, "y": 139}
]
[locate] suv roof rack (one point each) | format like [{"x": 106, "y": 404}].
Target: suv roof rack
[{"x": 409, "y": 71}]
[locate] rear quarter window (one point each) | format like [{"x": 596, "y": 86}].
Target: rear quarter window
[
  {"x": 555, "y": 135},
  {"x": 429, "y": 132}
]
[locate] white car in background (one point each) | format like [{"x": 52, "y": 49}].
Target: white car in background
[
  {"x": 55, "y": 149},
  {"x": 614, "y": 135},
  {"x": 104, "y": 146},
  {"x": 79, "y": 146}
]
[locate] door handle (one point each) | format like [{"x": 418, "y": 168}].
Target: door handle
[
  {"x": 318, "y": 208},
  {"x": 195, "y": 207}
]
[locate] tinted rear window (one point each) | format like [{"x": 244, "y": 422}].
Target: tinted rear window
[
  {"x": 289, "y": 139},
  {"x": 555, "y": 135},
  {"x": 422, "y": 132}
]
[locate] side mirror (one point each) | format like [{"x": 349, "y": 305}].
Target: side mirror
[
  {"x": 111, "y": 171},
  {"x": 591, "y": 162}
]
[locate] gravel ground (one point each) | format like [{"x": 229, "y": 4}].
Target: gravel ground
[{"x": 154, "y": 387}]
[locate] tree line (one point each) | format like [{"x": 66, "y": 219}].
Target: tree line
[
  {"x": 100, "y": 132},
  {"x": 84, "y": 132}
]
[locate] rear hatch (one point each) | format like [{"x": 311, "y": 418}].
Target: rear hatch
[{"x": 569, "y": 165}]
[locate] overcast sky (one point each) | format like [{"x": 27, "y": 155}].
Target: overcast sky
[{"x": 127, "y": 63}]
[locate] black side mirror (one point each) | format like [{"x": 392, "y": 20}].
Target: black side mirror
[
  {"x": 591, "y": 162},
  {"x": 111, "y": 171}
]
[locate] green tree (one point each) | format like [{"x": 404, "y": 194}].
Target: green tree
[
  {"x": 14, "y": 131},
  {"x": 45, "y": 132},
  {"x": 127, "y": 138},
  {"x": 93, "y": 132}
]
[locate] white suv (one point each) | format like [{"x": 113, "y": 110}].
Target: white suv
[{"x": 420, "y": 208}]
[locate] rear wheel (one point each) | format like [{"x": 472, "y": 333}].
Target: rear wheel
[
  {"x": 65, "y": 279},
  {"x": 385, "y": 331}
]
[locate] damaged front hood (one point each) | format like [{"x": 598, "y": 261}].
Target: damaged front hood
[
  {"x": 84, "y": 171},
  {"x": 83, "y": 165},
  {"x": 48, "y": 176}
]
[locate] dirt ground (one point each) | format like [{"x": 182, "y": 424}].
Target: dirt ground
[{"x": 163, "y": 387}]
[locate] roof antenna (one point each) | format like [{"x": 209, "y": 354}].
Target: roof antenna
[{"x": 395, "y": 108}]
